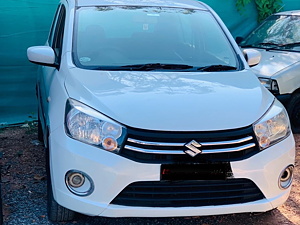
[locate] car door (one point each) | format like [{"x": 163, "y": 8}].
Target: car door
[{"x": 46, "y": 73}]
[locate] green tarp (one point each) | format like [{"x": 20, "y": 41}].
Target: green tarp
[{"x": 25, "y": 23}]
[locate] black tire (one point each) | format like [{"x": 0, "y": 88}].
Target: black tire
[
  {"x": 294, "y": 112},
  {"x": 56, "y": 212}
]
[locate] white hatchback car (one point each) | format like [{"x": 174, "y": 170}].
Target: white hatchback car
[
  {"x": 278, "y": 41},
  {"x": 149, "y": 109}
]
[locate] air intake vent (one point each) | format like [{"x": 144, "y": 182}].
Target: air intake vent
[{"x": 188, "y": 193}]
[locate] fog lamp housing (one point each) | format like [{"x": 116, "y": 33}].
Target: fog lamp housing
[
  {"x": 79, "y": 183},
  {"x": 286, "y": 177}
]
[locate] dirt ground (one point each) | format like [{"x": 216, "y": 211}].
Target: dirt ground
[{"x": 24, "y": 189}]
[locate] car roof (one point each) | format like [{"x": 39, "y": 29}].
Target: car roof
[
  {"x": 191, "y": 4},
  {"x": 289, "y": 13}
]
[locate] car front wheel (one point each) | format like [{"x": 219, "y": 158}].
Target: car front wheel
[
  {"x": 294, "y": 112},
  {"x": 56, "y": 212}
]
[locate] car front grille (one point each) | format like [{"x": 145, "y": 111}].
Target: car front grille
[
  {"x": 169, "y": 147},
  {"x": 188, "y": 193}
]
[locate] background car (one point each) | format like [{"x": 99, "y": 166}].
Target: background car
[{"x": 278, "y": 40}]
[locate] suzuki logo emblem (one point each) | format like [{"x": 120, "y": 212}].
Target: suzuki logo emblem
[{"x": 193, "y": 148}]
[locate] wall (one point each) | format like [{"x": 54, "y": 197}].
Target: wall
[{"x": 23, "y": 23}]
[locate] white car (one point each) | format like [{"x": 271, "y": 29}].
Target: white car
[
  {"x": 149, "y": 109},
  {"x": 278, "y": 41}
]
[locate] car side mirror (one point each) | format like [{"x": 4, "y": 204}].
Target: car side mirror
[
  {"x": 41, "y": 55},
  {"x": 252, "y": 56}
]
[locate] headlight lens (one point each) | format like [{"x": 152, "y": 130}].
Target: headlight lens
[
  {"x": 266, "y": 82},
  {"x": 273, "y": 127},
  {"x": 87, "y": 125},
  {"x": 270, "y": 84}
]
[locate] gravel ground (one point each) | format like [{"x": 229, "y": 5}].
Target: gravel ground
[{"x": 24, "y": 190}]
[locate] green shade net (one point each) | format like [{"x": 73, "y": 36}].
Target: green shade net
[
  {"x": 26, "y": 23},
  {"x": 23, "y": 24}
]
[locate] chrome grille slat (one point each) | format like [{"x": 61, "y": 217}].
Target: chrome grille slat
[
  {"x": 238, "y": 141},
  {"x": 151, "y": 151},
  {"x": 181, "y": 152},
  {"x": 149, "y": 143},
  {"x": 241, "y": 148},
  {"x": 155, "y": 143}
]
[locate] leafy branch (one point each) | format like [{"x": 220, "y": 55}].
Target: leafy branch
[{"x": 264, "y": 8}]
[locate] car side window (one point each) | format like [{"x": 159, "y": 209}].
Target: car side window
[
  {"x": 51, "y": 33},
  {"x": 56, "y": 34}
]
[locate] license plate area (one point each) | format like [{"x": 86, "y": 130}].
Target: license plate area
[{"x": 212, "y": 171}]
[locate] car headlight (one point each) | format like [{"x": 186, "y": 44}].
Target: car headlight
[
  {"x": 272, "y": 127},
  {"x": 270, "y": 84},
  {"x": 89, "y": 126}
]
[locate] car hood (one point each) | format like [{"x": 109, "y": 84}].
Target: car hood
[
  {"x": 170, "y": 101},
  {"x": 274, "y": 61}
]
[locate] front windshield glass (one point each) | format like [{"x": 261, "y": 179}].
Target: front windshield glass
[
  {"x": 113, "y": 37},
  {"x": 278, "y": 32}
]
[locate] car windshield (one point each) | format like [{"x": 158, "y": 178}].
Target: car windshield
[
  {"x": 277, "y": 32},
  {"x": 150, "y": 38}
]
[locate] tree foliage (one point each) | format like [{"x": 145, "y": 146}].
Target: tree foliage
[{"x": 264, "y": 7}]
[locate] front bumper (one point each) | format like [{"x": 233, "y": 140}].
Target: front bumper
[{"x": 112, "y": 173}]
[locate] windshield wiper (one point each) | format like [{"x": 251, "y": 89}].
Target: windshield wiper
[
  {"x": 290, "y": 44},
  {"x": 261, "y": 45},
  {"x": 282, "y": 47},
  {"x": 156, "y": 66},
  {"x": 170, "y": 67},
  {"x": 145, "y": 67},
  {"x": 268, "y": 44},
  {"x": 212, "y": 68}
]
